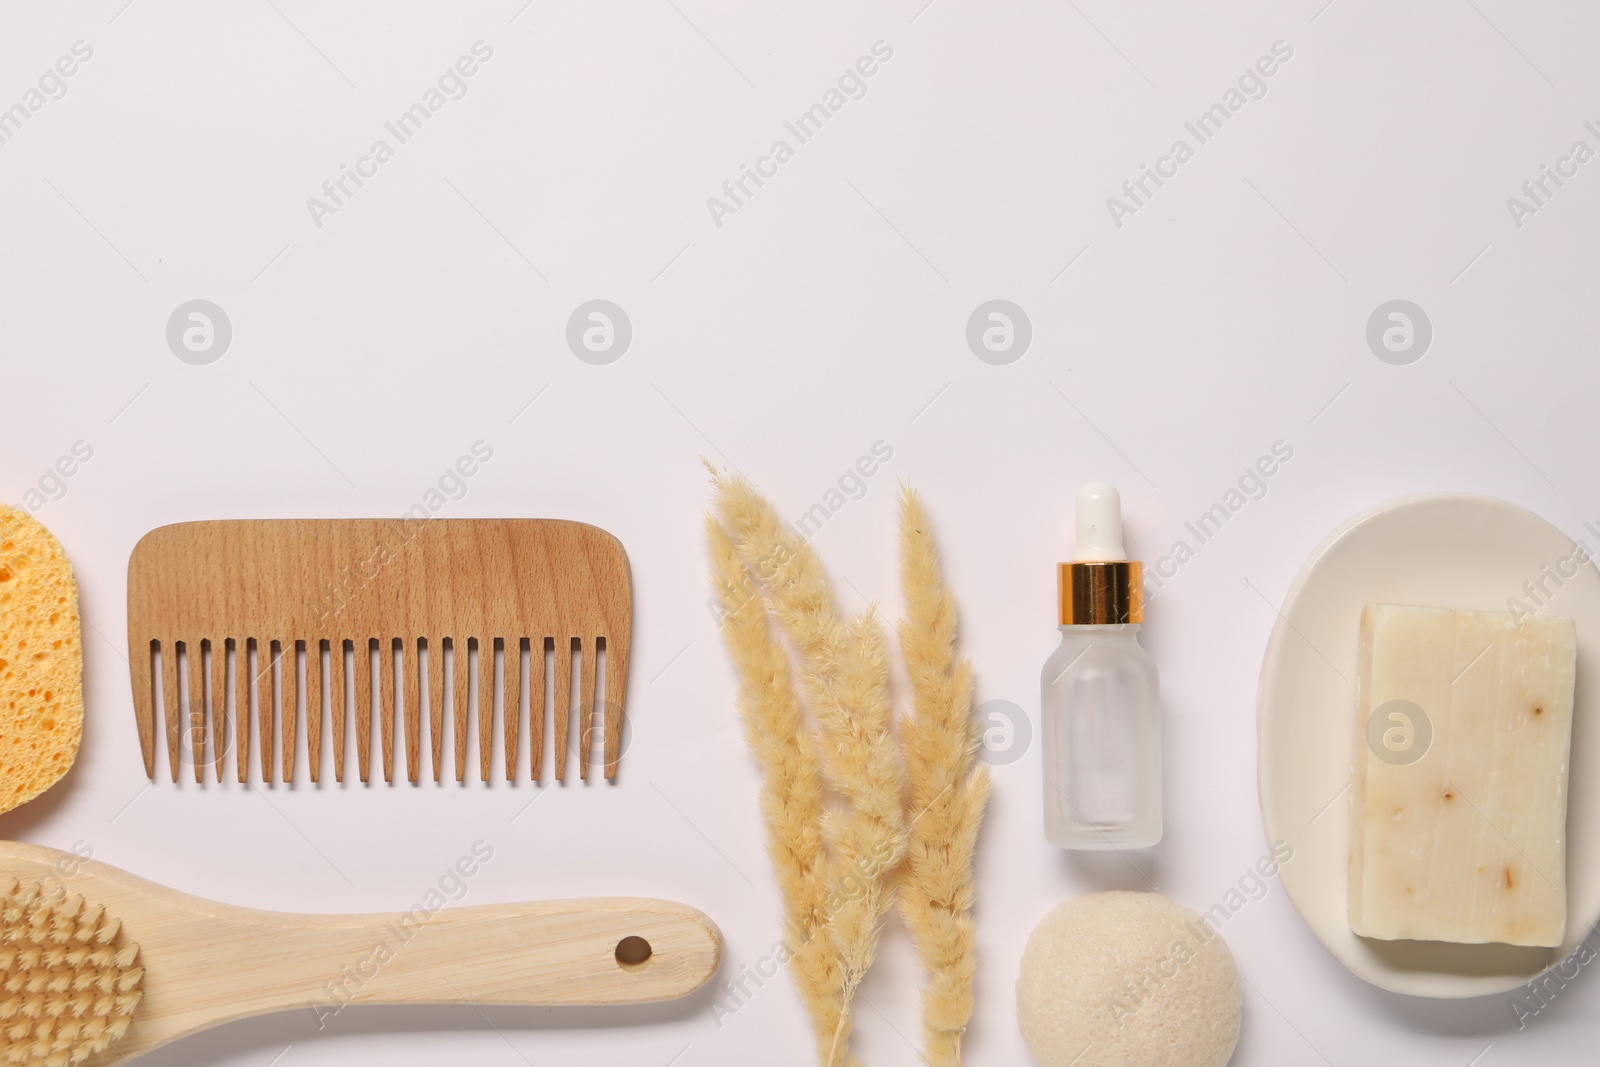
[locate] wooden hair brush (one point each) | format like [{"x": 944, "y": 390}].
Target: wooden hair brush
[{"x": 99, "y": 965}]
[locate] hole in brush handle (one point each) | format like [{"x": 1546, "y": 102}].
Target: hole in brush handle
[{"x": 633, "y": 951}]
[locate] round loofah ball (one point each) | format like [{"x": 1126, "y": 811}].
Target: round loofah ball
[{"x": 1127, "y": 980}]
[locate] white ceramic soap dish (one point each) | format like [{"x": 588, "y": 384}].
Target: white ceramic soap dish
[{"x": 1440, "y": 550}]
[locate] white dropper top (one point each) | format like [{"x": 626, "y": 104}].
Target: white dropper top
[{"x": 1099, "y": 524}]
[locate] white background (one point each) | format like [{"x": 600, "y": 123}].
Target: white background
[{"x": 826, "y": 314}]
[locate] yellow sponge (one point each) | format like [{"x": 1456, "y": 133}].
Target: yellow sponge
[{"x": 41, "y": 660}]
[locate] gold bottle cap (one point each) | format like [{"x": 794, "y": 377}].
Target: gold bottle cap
[{"x": 1101, "y": 593}]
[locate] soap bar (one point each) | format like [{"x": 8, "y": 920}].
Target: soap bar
[{"x": 1459, "y": 793}]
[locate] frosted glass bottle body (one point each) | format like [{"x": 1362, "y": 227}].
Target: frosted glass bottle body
[{"x": 1101, "y": 730}]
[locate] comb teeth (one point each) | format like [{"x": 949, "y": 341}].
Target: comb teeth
[{"x": 521, "y": 681}]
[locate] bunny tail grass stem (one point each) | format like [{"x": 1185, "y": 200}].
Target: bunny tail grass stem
[
  {"x": 844, "y": 674},
  {"x": 947, "y": 792},
  {"x": 791, "y": 790}
]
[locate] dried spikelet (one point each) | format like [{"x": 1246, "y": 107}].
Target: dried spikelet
[
  {"x": 947, "y": 791},
  {"x": 791, "y": 783},
  {"x": 791, "y": 575},
  {"x": 867, "y": 838},
  {"x": 845, "y": 678}
]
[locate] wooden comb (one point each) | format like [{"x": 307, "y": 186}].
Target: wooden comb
[{"x": 300, "y": 596}]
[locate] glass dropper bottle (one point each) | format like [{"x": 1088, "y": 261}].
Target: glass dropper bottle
[{"x": 1101, "y": 712}]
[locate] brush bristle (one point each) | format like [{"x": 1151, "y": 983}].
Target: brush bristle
[{"x": 70, "y": 983}]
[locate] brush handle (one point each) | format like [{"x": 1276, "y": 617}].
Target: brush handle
[
  {"x": 211, "y": 969},
  {"x": 554, "y": 952}
]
